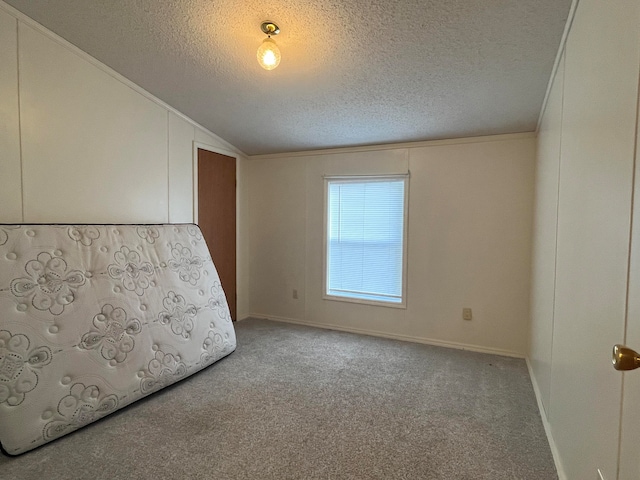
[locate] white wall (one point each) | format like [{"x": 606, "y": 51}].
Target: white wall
[
  {"x": 181, "y": 135},
  {"x": 584, "y": 183},
  {"x": 545, "y": 218},
  {"x": 10, "y": 176},
  {"x": 81, "y": 144},
  {"x": 470, "y": 210}
]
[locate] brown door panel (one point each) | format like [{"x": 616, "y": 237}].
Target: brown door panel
[{"x": 217, "y": 216}]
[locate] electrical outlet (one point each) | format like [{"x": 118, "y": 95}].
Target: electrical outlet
[
  {"x": 295, "y": 294},
  {"x": 466, "y": 314}
]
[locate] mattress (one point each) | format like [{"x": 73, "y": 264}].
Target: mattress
[{"x": 94, "y": 317}]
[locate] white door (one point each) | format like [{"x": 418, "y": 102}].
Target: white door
[{"x": 630, "y": 421}]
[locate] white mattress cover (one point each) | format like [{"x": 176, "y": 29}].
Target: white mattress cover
[{"x": 94, "y": 317}]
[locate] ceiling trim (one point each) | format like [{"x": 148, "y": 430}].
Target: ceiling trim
[
  {"x": 556, "y": 63},
  {"x": 21, "y": 17},
  {"x": 395, "y": 146}
]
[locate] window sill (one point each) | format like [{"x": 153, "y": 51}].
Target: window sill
[{"x": 373, "y": 303}]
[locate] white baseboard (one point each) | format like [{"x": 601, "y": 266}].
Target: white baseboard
[
  {"x": 406, "y": 338},
  {"x": 547, "y": 427}
]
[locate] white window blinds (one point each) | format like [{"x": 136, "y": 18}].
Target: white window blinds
[{"x": 365, "y": 238}]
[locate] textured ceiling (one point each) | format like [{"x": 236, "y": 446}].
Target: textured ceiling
[{"x": 353, "y": 72}]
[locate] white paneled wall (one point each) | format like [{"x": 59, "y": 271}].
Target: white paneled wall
[
  {"x": 470, "y": 207},
  {"x": 470, "y": 241},
  {"x": 10, "y": 175},
  {"x": 181, "y": 135},
  {"x": 583, "y": 202},
  {"x": 81, "y": 144},
  {"x": 276, "y": 232},
  {"x": 543, "y": 269},
  {"x": 86, "y": 145},
  {"x": 93, "y": 149}
]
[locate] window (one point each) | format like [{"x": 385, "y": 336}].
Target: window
[{"x": 365, "y": 224}]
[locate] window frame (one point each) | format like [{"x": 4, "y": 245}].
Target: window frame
[{"x": 325, "y": 243}]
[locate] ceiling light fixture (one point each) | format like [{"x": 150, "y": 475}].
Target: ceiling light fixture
[{"x": 268, "y": 52}]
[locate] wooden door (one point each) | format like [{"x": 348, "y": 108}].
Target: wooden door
[{"x": 217, "y": 216}]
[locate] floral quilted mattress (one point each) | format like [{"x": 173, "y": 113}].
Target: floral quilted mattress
[{"x": 94, "y": 317}]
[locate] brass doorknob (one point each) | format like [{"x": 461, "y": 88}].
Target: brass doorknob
[{"x": 624, "y": 358}]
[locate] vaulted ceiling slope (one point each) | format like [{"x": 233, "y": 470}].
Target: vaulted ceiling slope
[{"x": 353, "y": 72}]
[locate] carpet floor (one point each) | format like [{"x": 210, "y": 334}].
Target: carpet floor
[{"x": 296, "y": 402}]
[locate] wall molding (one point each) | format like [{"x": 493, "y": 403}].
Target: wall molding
[
  {"x": 406, "y": 338},
  {"x": 30, "y": 22},
  {"x": 397, "y": 146},
  {"x": 545, "y": 423}
]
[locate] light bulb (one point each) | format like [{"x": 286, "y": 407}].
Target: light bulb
[{"x": 268, "y": 54}]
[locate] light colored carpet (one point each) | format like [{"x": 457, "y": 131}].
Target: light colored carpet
[{"x": 295, "y": 402}]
